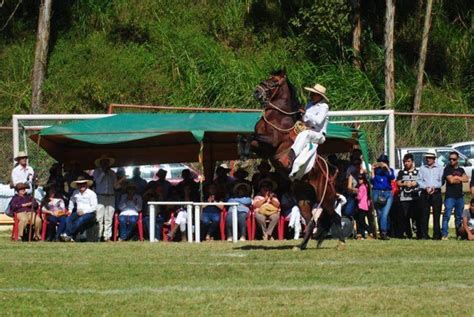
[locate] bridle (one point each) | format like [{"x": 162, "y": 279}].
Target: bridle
[{"x": 270, "y": 106}]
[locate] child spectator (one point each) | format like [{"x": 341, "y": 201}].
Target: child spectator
[
  {"x": 54, "y": 208},
  {"x": 363, "y": 209}
]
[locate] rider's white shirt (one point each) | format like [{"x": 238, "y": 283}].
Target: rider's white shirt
[{"x": 316, "y": 117}]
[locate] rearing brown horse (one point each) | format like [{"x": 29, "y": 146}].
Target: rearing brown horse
[{"x": 273, "y": 137}]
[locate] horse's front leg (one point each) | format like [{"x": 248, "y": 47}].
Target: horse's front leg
[{"x": 308, "y": 233}]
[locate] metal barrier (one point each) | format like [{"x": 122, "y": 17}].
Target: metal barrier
[
  {"x": 197, "y": 217},
  {"x": 189, "y": 221}
]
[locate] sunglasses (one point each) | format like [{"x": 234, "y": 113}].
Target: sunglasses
[{"x": 453, "y": 159}]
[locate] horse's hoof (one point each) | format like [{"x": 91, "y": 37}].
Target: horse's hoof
[{"x": 341, "y": 246}]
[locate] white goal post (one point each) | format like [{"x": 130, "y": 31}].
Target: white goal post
[{"x": 386, "y": 117}]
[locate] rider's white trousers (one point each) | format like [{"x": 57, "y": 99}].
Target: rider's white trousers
[{"x": 306, "y": 137}]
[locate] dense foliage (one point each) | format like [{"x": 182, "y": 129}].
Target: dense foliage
[{"x": 213, "y": 53}]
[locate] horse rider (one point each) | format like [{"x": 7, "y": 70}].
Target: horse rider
[{"x": 315, "y": 120}]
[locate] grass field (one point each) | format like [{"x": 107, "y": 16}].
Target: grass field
[{"x": 395, "y": 277}]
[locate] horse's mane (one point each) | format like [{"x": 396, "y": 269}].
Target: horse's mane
[{"x": 295, "y": 103}]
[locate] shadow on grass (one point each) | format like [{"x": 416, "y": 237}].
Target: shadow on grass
[{"x": 274, "y": 247}]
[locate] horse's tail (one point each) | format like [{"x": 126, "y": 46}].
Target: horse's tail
[{"x": 323, "y": 184}]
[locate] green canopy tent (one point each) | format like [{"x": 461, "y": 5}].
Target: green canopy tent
[{"x": 148, "y": 138}]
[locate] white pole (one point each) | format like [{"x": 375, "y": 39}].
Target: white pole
[
  {"x": 391, "y": 135},
  {"x": 16, "y": 137},
  {"x": 189, "y": 222},
  {"x": 152, "y": 223},
  {"x": 386, "y": 145},
  {"x": 234, "y": 223},
  {"x": 197, "y": 223}
]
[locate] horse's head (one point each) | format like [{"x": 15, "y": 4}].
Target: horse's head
[{"x": 268, "y": 89}]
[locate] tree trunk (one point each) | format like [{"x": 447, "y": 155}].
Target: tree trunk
[
  {"x": 421, "y": 63},
  {"x": 389, "y": 64},
  {"x": 356, "y": 33},
  {"x": 41, "y": 54}
]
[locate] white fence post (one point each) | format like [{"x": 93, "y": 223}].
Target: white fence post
[
  {"x": 152, "y": 223},
  {"x": 189, "y": 222},
  {"x": 197, "y": 223},
  {"x": 234, "y": 223}
]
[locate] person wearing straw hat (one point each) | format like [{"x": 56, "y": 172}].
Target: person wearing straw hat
[
  {"x": 130, "y": 205},
  {"x": 241, "y": 195},
  {"x": 430, "y": 180},
  {"x": 22, "y": 172},
  {"x": 105, "y": 181},
  {"x": 82, "y": 205},
  {"x": 266, "y": 206},
  {"x": 23, "y": 205},
  {"x": 316, "y": 121}
]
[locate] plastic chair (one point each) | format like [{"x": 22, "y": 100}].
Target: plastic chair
[
  {"x": 44, "y": 229},
  {"x": 250, "y": 223},
  {"x": 139, "y": 226},
  {"x": 16, "y": 223}
]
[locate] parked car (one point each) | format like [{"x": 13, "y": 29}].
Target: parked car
[
  {"x": 148, "y": 172},
  {"x": 466, "y": 148},
  {"x": 442, "y": 154}
]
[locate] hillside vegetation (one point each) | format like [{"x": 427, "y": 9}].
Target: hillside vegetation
[{"x": 213, "y": 53}]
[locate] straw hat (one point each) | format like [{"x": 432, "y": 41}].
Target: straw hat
[
  {"x": 248, "y": 188},
  {"x": 21, "y": 186},
  {"x": 270, "y": 181},
  {"x": 429, "y": 154},
  {"x": 20, "y": 155},
  {"x": 224, "y": 166},
  {"x": 81, "y": 180},
  {"x": 104, "y": 157},
  {"x": 318, "y": 89}
]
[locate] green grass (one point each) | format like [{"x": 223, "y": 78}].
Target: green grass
[{"x": 254, "y": 278}]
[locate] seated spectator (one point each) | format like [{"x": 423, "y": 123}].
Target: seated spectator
[
  {"x": 211, "y": 214},
  {"x": 130, "y": 205},
  {"x": 363, "y": 209},
  {"x": 24, "y": 206},
  {"x": 181, "y": 216},
  {"x": 266, "y": 206},
  {"x": 467, "y": 228},
  {"x": 83, "y": 204},
  {"x": 161, "y": 215},
  {"x": 291, "y": 212},
  {"x": 55, "y": 210},
  {"x": 241, "y": 195}
]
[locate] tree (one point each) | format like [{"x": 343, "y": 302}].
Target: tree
[
  {"x": 421, "y": 63},
  {"x": 389, "y": 64},
  {"x": 356, "y": 33},
  {"x": 41, "y": 55}
]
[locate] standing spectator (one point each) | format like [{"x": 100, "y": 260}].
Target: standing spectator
[
  {"x": 83, "y": 204},
  {"x": 105, "y": 181},
  {"x": 188, "y": 180},
  {"x": 430, "y": 181},
  {"x": 382, "y": 176},
  {"x": 56, "y": 178},
  {"x": 472, "y": 184},
  {"x": 54, "y": 208},
  {"x": 242, "y": 196},
  {"x": 352, "y": 176},
  {"x": 138, "y": 181},
  {"x": 130, "y": 205},
  {"x": 211, "y": 214},
  {"x": 454, "y": 176},
  {"x": 363, "y": 209},
  {"x": 409, "y": 215},
  {"x": 467, "y": 227},
  {"x": 223, "y": 180},
  {"x": 24, "y": 206},
  {"x": 22, "y": 172},
  {"x": 241, "y": 177},
  {"x": 161, "y": 182},
  {"x": 266, "y": 206}
]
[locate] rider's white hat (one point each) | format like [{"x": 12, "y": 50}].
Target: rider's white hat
[{"x": 318, "y": 89}]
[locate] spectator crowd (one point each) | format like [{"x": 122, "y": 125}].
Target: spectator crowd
[{"x": 78, "y": 201}]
